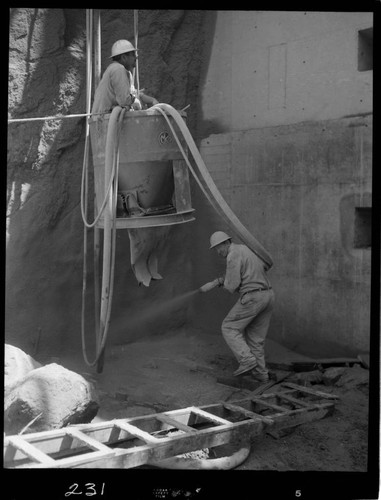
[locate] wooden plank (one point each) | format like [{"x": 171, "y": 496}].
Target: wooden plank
[
  {"x": 93, "y": 443},
  {"x": 86, "y": 459},
  {"x": 270, "y": 395},
  {"x": 210, "y": 416},
  {"x": 292, "y": 400},
  {"x": 30, "y": 450},
  {"x": 312, "y": 392},
  {"x": 247, "y": 413},
  {"x": 135, "y": 431},
  {"x": 327, "y": 361},
  {"x": 301, "y": 416},
  {"x": 269, "y": 405},
  {"x": 166, "y": 419},
  {"x": 239, "y": 382},
  {"x": 313, "y": 364},
  {"x": 264, "y": 387}
]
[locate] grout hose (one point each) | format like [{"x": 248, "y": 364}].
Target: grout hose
[
  {"x": 209, "y": 188},
  {"x": 222, "y": 463},
  {"x": 109, "y": 238}
]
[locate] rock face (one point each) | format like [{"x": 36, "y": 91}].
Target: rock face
[
  {"x": 17, "y": 364},
  {"x": 47, "y": 77},
  {"x": 60, "y": 396}
]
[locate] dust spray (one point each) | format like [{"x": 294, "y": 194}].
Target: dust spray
[{"x": 161, "y": 309}]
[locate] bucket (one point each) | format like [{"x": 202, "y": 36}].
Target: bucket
[{"x": 146, "y": 151}]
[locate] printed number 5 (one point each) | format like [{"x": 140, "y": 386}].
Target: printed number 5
[{"x": 298, "y": 493}]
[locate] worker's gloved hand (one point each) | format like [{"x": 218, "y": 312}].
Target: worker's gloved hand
[
  {"x": 209, "y": 286},
  {"x": 137, "y": 105}
]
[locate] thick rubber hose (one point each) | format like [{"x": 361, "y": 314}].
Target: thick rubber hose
[
  {"x": 109, "y": 234},
  {"x": 222, "y": 463},
  {"x": 109, "y": 238},
  {"x": 209, "y": 188}
]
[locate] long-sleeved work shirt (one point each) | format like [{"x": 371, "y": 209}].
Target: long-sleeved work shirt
[
  {"x": 114, "y": 89},
  {"x": 244, "y": 270}
]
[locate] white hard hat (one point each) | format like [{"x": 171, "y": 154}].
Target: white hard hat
[
  {"x": 121, "y": 47},
  {"x": 217, "y": 238}
]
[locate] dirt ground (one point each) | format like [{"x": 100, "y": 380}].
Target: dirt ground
[{"x": 180, "y": 369}]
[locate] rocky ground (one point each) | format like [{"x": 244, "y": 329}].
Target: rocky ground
[{"x": 181, "y": 369}]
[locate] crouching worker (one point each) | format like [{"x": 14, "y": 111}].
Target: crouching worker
[
  {"x": 116, "y": 87},
  {"x": 245, "y": 327}
]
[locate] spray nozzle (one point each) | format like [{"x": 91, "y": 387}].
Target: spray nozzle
[{"x": 209, "y": 286}]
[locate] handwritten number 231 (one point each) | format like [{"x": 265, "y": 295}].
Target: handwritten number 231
[{"x": 89, "y": 486}]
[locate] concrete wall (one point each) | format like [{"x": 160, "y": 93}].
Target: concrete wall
[
  {"x": 275, "y": 68},
  {"x": 287, "y": 123}
]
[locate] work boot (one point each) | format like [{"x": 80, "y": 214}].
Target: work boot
[
  {"x": 261, "y": 377},
  {"x": 245, "y": 367}
]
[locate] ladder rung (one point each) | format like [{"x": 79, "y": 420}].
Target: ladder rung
[
  {"x": 247, "y": 413},
  {"x": 30, "y": 450},
  {"x": 312, "y": 392},
  {"x": 175, "y": 423},
  {"x": 293, "y": 400},
  {"x": 209, "y": 416},
  {"x": 269, "y": 405},
  {"x": 81, "y": 436},
  {"x": 135, "y": 431}
]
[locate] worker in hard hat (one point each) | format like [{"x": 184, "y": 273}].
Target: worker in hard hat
[
  {"x": 245, "y": 327},
  {"x": 116, "y": 87}
]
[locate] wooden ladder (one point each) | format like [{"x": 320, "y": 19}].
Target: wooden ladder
[{"x": 131, "y": 442}]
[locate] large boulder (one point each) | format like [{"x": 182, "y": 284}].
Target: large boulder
[
  {"x": 54, "y": 396},
  {"x": 17, "y": 364}
]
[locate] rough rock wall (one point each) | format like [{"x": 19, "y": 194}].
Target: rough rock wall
[{"x": 47, "y": 76}]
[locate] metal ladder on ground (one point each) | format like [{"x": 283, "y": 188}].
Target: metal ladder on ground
[{"x": 132, "y": 442}]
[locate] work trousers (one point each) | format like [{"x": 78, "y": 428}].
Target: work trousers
[{"x": 245, "y": 328}]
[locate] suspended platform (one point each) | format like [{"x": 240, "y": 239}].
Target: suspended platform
[
  {"x": 131, "y": 442},
  {"x": 153, "y": 179}
]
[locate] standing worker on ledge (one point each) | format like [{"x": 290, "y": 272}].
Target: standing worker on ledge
[
  {"x": 245, "y": 327},
  {"x": 116, "y": 87}
]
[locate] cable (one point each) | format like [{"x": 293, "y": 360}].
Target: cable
[
  {"x": 96, "y": 235},
  {"x": 136, "y": 30},
  {"x": 84, "y": 183},
  {"x": 54, "y": 117}
]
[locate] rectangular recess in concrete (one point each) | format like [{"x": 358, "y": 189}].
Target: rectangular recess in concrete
[
  {"x": 363, "y": 227},
  {"x": 365, "y": 50}
]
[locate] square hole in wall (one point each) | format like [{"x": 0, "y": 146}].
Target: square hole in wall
[
  {"x": 365, "y": 50},
  {"x": 363, "y": 227}
]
